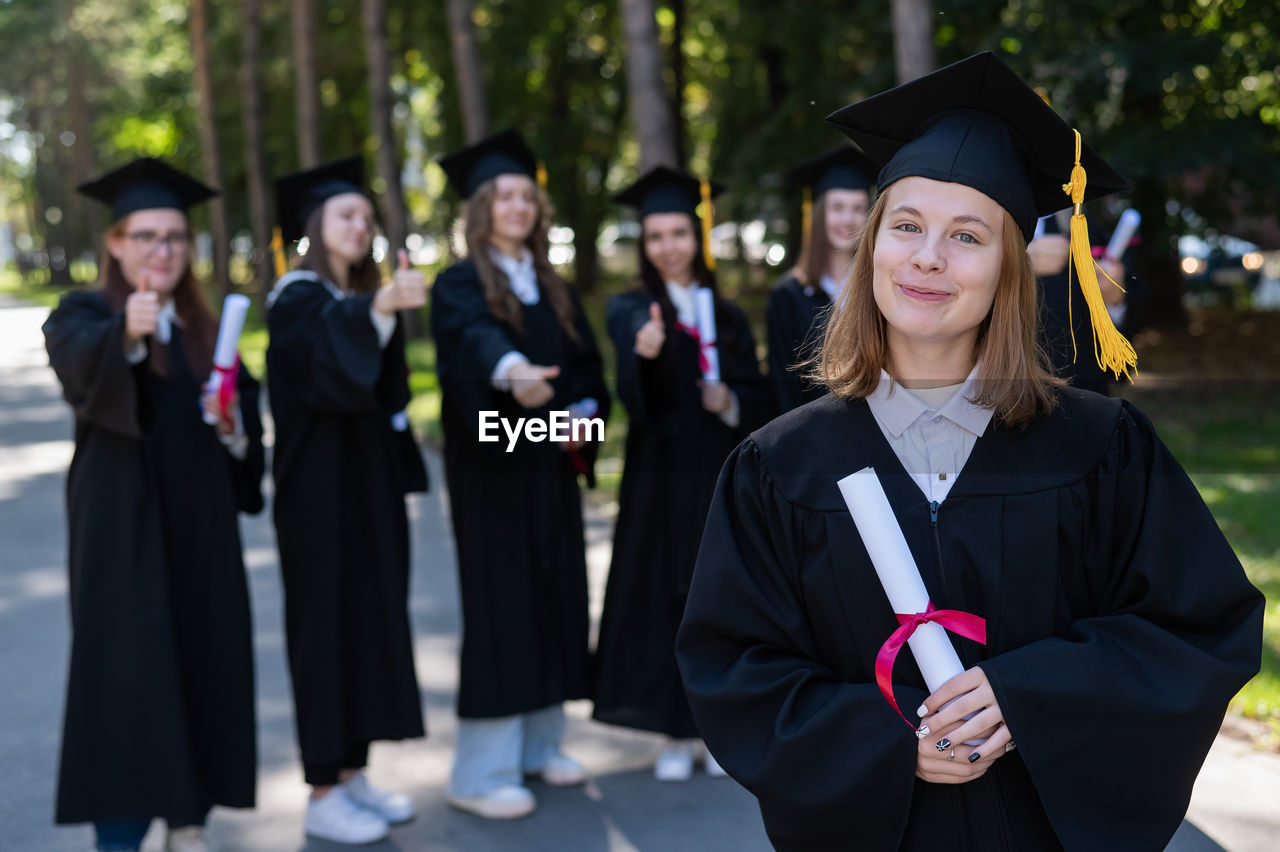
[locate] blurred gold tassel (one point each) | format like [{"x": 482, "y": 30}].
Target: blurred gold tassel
[
  {"x": 542, "y": 176},
  {"x": 277, "y": 251},
  {"x": 706, "y": 216},
  {"x": 1111, "y": 350},
  {"x": 806, "y": 218}
]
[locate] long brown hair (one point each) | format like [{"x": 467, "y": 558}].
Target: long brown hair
[
  {"x": 198, "y": 325},
  {"x": 362, "y": 277},
  {"x": 497, "y": 288},
  {"x": 1014, "y": 379}
]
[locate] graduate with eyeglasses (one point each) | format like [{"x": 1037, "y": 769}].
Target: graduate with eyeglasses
[
  {"x": 159, "y": 714},
  {"x": 1116, "y": 622}
]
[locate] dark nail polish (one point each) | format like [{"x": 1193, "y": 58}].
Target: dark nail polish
[
  {"x": 943, "y": 744},
  {"x": 973, "y": 758}
]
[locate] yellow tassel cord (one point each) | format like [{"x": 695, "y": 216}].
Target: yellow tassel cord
[
  {"x": 542, "y": 176},
  {"x": 1111, "y": 350},
  {"x": 277, "y": 251},
  {"x": 706, "y": 215},
  {"x": 806, "y": 218}
]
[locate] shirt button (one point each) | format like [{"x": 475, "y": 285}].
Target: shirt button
[{"x": 937, "y": 419}]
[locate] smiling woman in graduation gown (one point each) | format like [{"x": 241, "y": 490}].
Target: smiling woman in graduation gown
[
  {"x": 159, "y": 715},
  {"x": 1118, "y": 621},
  {"x": 675, "y": 447},
  {"x": 837, "y": 192},
  {"x": 344, "y": 461},
  {"x": 513, "y": 340}
]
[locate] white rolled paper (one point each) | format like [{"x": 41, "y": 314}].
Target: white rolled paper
[
  {"x": 896, "y": 568},
  {"x": 1125, "y": 229},
  {"x": 234, "y": 311},
  {"x": 705, "y": 300}
]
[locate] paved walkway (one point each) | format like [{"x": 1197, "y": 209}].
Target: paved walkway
[{"x": 621, "y": 810}]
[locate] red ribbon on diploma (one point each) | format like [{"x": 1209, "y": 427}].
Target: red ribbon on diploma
[
  {"x": 703, "y": 363},
  {"x": 964, "y": 624},
  {"x": 227, "y": 385}
]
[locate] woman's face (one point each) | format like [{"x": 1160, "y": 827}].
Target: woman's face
[
  {"x": 515, "y": 208},
  {"x": 670, "y": 244},
  {"x": 155, "y": 241},
  {"x": 845, "y": 212},
  {"x": 937, "y": 261},
  {"x": 347, "y": 227}
]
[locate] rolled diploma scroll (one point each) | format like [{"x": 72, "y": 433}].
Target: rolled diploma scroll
[
  {"x": 1125, "y": 229},
  {"x": 896, "y": 568},
  {"x": 705, "y": 301},
  {"x": 234, "y": 311}
]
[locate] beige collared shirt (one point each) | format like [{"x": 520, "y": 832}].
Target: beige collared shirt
[{"x": 932, "y": 431}]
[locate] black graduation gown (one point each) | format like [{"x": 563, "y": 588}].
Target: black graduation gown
[
  {"x": 1119, "y": 625},
  {"x": 159, "y": 716},
  {"x": 517, "y": 517},
  {"x": 341, "y": 475},
  {"x": 675, "y": 449},
  {"x": 797, "y": 319},
  {"x": 1062, "y": 311}
]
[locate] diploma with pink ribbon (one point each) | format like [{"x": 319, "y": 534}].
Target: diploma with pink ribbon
[
  {"x": 226, "y": 356},
  {"x": 922, "y": 627}
]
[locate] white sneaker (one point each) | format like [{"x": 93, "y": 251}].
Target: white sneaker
[
  {"x": 335, "y": 817},
  {"x": 714, "y": 769},
  {"x": 675, "y": 763},
  {"x": 509, "y": 801},
  {"x": 562, "y": 771},
  {"x": 189, "y": 839},
  {"x": 395, "y": 808}
]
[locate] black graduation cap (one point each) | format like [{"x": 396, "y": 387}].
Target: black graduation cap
[
  {"x": 299, "y": 194},
  {"x": 841, "y": 167},
  {"x": 666, "y": 190},
  {"x": 146, "y": 184},
  {"x": 504, "y": 153},
  {"x": 977, "y": 123}
]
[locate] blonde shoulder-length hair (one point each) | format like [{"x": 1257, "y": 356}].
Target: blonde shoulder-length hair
[{"x": 1014, "y": 378}]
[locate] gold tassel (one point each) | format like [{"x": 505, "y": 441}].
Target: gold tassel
[
  {"x": 542, "y": 176},
  {"x": 277, "y": 251},
  {"x": 806, "y": 218},
  {"x": 1111, "y": 350},
  {"x": 706, "y": 216}
]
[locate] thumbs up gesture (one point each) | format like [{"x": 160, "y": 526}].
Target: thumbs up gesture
[
  {"x": 407, "y": 290},
  {"x": 652, "y": 334},
  {"x": 531, "y": 385},
  {"x": 141, "y": 311}
]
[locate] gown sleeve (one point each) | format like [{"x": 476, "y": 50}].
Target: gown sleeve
[
  {"x": 586, "y": 369},
  {"x": 85, "y": 341},
  {"x": 741, "y": 372},
  {"x": 246, "y": 473},
  {"x": 1113, "y": 718},
  {"x": 784, "y": 337},
  {"x": 779, "y": 719},
  {"x": 469, "y": 341},
  {"x": 331, "y": 343}
]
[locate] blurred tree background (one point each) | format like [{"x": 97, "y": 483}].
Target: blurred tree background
[{"x": 1181, "y": 95}]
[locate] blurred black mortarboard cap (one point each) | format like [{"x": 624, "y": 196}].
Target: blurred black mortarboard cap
[
  {"x": 300, "y": 194},
  {"x": 504, "y": 153},
  {"x": 146, "y": 184}
]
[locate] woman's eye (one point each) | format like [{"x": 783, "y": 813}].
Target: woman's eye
[
  {"x": 909, "y": 227},
  {"x": 966, "y": 237}
]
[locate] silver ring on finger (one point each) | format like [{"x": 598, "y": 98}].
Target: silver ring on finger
[{"x": 952, "y": 756}]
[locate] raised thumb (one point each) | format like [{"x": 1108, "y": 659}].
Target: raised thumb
[
  {"x": 404, "y": 258},
  {"x": 144, "y": 282},
  {"x": 655, "y": 312}
]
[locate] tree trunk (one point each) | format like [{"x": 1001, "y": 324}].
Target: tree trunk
[
  {"x": 1156, "y": 260},
  {"x": 209, "y": 143},
  {"x": 677, "y": 96},
  {"x": 394, "y": 215},
  {"x": 85, "y": 219},
  {"x": 913, "y": 54},
  {"x": 650, "y": 106},
  {"x": 467, "y": 70},
  {"x": 306, "y": 90},
  {"x": 255, "y": 167}
]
